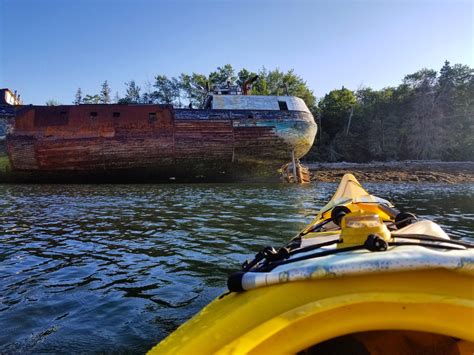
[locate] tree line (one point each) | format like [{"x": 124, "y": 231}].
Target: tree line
[
  {"x": 430, "y": 115},
  {"x": 192, "y": 88}
]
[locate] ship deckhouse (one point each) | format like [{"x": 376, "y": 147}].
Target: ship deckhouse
[
  {"x": 249, "y": 102},
  {"x": 233, "y": 97}
]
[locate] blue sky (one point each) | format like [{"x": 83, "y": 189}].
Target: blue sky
[{"x": 49, "y": 48}]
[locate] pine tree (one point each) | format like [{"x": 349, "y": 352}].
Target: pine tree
[
  {"x": 446, "y": 77},
  {"x": 78, "y": 99},
  {"x": 132, "y": 95},
  {"x": 105, "y": 93}
]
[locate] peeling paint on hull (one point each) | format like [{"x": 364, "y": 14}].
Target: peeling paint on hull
[{"x": 151, "y": 142}]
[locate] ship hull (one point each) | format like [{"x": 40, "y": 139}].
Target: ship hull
[{"x": 152, "y": 143}]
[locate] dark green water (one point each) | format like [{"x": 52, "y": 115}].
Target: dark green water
[{"x": 118, "y": 267}]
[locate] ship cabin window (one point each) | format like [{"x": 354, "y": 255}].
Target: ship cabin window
[
  {"x": 116, "y": 114},
  {"x": 152, "y": 117},
  {"x": 93, "y": 115},
  {"x": 283, "y": 105}
]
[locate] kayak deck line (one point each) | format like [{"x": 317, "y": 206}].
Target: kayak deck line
[
  {"x": 361, "y": 263},
  {"x": 361, "y": 273}
]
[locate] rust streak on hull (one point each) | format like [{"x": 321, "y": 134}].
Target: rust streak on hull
[{"x": 124, "y": 142}]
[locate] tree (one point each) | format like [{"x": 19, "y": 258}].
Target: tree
[
  {"x": 193, "y": 88},
  {"x": 335, "y": 108},
  {"x": 78, "y": 97},
  {"x": 276, "y": 82},
  {"x": 446, "y": 77},
  {"x": 296, "y": 86},
  {"x": 222, "y": 76},
  {"x": 132, "y": 93},
  {"x": 147, "y": 96},
  {"x": 427, "y": 116},
  {"x": 167, "y": 90},
  {"x": 243, "y": 75},
  {"x": 424, "y": 140},
  {"x": 368, "y": 137},
  {"x": 260, "y": 86},
  {"x": 52, "y": 103},
  {"x": 455, "y": 100},
  {"x": 91, "y": 99},
  {"x": 105, "y": 93},
  {"x": 422, "y": 78}
]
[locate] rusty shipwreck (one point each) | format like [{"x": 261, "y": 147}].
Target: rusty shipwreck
[{"x": 231, "y": 136}]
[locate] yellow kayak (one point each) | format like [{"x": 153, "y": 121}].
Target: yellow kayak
[{"x": 361, "y": 278}]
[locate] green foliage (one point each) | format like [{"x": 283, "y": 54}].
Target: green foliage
[
  {"x": 91, "y": 99},
  {"x": 260, "y": 87},
  {"x": 193, "y": 88},
  {"x": 422, "y": 79},
  {"x": 105, "y": 93},
  {"x": 335, "y": 109},
  {"x": 167, "y": 91},
  {"x": 428, "y": 116},
  {"x": 243, "y": 75},
  {"x": 132, "y": 93},
  {"x": 276, "y": 82},
  {"x": 222, "y": 75}
]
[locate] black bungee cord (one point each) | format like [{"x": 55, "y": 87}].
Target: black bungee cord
[
  {"x": 370, "y": 244},
  {"x": 269, "y": 257}
]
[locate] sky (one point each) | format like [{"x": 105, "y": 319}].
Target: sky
[{"x": 50, "y": 48}]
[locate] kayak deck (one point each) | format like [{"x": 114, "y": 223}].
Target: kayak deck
[{"x": 307, "y": 305}]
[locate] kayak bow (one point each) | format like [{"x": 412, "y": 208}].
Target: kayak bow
[{"x": 361, "y": 278}]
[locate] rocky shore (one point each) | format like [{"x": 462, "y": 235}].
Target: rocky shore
[{"x": 404, "y": 171}]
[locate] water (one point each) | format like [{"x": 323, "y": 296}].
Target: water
[{"x": 118, "y": 267}]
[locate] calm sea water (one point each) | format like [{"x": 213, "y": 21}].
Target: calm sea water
[{"x": 118, "y": 267}]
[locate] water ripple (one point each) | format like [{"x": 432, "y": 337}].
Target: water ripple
[{"x": 115, "y": 268}]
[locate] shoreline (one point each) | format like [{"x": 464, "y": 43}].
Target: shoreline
[{"x": 400, "y": 171}]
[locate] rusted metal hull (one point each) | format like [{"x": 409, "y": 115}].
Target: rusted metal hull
[{"x": 151, "y": 142}]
